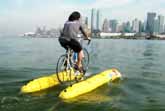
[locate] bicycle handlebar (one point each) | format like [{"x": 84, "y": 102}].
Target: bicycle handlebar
[
  {"x": 89, "y": 40},
  {"x": 84, "y": 38}
]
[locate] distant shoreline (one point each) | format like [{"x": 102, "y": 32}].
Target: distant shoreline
[
  {"x": 116, "y": 37},
  {"x": 132, "y": 38}
]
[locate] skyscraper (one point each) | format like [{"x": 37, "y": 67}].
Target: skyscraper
[
  {"x": 135, "y": 25},
  {"x": 123, "y": 27},
  {"x": 105, "y": 27},
  {"x": 86, "y": 21},
  {"x": 150, "y": 22},
  {"x": 156, "y": 26},
  {"x": 113, "y": 25},
  {"x": 160, "y": 24},
  {"x": 128, "y": 27},
  {"x": 98, "y": 20},
  {"x": 141, "y": 26},
  {"x": 93, "y": 20},
  {"x": 120, "y": 28}
]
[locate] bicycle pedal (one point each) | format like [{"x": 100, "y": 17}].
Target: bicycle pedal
[{"x": 78, "y": 79}]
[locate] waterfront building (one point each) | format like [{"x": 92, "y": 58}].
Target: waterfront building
[
  {"x": 150, "y": 22},
  {"x": 156, "y": 26},
  {"x": 93, "y": 20},
  {"x": 85, "y": 25},
  {"x": 135, "y": 25},
  {"x": 124, "y": 27},
  {"x": 44, "y": 33},
  {"x": 84, "y": 21},
  {"x": 161, "y": 24},
  {"x": 113, "y": 25},
  {"x": 39, "y": 30},
  {"x": 105, "y": 27},
  {"x": 98, "y": 20},
  {"x": 119, "y": 28},
  {"x": 127, "y": 27},
  {"x": 141, "y": 26}
]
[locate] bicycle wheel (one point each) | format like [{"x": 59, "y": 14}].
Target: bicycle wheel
[
  {"x": 64, "y": 75},
  {"x": 85, "y": 61}
]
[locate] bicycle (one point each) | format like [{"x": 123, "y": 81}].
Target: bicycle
[{"x": 65, "y": 70}]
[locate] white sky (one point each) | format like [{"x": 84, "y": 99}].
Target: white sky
[{"x": 19, "y": 16}]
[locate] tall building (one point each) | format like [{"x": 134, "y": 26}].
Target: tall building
[
  {"x": 141, "y": 26},
  {"x": 92, "y": 20},
  {"x": 113, "y": 25},
  {"x": 127, "y": 27},
  {"x": 119, "y": 28},
  {"x": 85, "y": 25},
  {"x": 95, "y": 20},
  {"x": 124, "y": 27},
  {"x": 150, "y": 22},
  {"x": 135, "y": 25},
  {"x": 156, "y": 26},
  {"x": 98, "y": 20},
  {"x": 161, "y": 24},
  {"x": 86, "y": 21},
  {"x": 105, "y": 27}
]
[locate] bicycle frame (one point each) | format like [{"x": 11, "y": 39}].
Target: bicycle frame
[
  {"x": 67, "y": 62},
  {"x": 69, "y": 59}
]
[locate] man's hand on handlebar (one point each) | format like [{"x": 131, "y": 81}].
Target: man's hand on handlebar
[{"x": 89, "y": 40}]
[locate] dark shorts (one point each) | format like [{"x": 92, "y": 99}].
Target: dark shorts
[{"x": 73, "y": 44}]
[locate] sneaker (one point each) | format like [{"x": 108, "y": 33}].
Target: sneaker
[
  {"x": 76, "y": 67},
  {"x": 77, "y": 73},
  {"x": 80, "y": 69}
]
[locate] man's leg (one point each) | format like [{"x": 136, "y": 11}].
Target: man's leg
[{"x": 80, "y": 57}]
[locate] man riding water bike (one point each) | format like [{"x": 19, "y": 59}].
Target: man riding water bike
[{"x": 70, "y": 33}]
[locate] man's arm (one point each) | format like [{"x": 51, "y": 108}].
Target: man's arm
[{"x": 83, "y": 32}]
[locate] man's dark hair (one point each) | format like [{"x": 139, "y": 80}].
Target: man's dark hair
[{"x": 74, "y": 16}]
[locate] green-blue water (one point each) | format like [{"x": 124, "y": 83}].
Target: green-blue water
[{"x": 141, "y": 62}]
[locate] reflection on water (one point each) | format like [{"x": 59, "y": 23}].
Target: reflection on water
[{"x": 150, "y": 55}]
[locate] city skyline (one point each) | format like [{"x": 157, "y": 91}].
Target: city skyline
[
  {"x": 19, "y": 16},
  {"x": 154, "y": 24}
]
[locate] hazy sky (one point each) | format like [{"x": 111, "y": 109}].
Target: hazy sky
[{"x": 19, "y": 16}]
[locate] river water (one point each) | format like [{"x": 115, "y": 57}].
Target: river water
[{"x": 142, "y": 63}]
